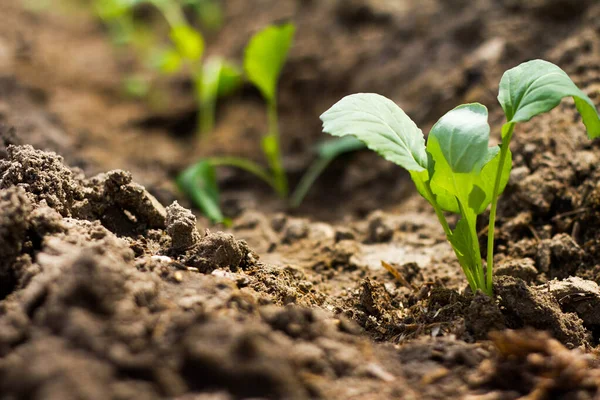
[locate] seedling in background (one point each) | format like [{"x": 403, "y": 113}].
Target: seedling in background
[
  {"x": 264, "y": 59},
  {"x": 209, "y": 12},
  {"x": 117, "y": 16},
  {"x": 213, "y": 79},
  {"x": 456, "y": 171}
]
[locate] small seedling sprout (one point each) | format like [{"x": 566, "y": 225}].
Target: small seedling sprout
[
  {"x": 264, "y": 59},
  {"x": 456, "y": 171}
]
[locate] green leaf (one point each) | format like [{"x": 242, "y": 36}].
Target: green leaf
[
  {"x": 536, "y": 87},
  {"x": 463, "y": 135},
  {"x": 111, "y": 9},
  {"x": 167, "y": 62},
  {"x": 484, "y": 183},
  {"x": 230, "y": 79},
  {"x": 265, "y": 57},
  {"x": 381, "y": 125},
  {"x": 218, "y": 78},
  {"x": 188, "y": 41},
  {"x": 199, "y": 183}
]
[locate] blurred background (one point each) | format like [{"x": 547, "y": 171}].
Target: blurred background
[{"x": 97, "y": 85}]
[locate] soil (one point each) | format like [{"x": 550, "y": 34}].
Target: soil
[{"x": 112, "y": 288}]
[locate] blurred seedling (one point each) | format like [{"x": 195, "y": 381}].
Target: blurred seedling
[
  {"x": 264, "y": 58},
  {"x": 212, "y": 79}
]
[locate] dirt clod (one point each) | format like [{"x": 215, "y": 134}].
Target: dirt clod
[
  {"x": 579, "y": 296},
  {"x": 522, "y": 306},
  {"x": 181, "y": 226},
  {"x": 220, "y": 250},
  {"x": 483, "y": 316},
  {"x": 14, "y": 212},
  {"x": 532, "y": 363},
  {"x": 43, "y": 176},
  {"x": 523, "y": 268}
]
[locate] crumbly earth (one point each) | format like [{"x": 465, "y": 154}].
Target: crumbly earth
[{"x": 109, "y": 290}]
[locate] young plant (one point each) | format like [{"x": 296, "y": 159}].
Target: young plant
[
  {"x": 212, "y": 79},
  {"x": 264, "y": 59},
  {"x": 456, "y": 171},
  {"x": 117, "y": 16}
]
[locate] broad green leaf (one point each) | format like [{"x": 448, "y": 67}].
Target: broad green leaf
[
  {"x": 474, "y": 190},
  {"x": 265, "y": 57},
  {"x": 219, "y": 78},
  {"x": 199, "y": 183},
  {"x": 536, "y": 87},
  {"x": 188, "y": 41},
  {"x": 230, "y": 79},
  {"x": 457, "y": 148},
  {"x": 463, "y": 135},
  {"x": 381, "y": 125},
  {"x": 448, "y": 186}
]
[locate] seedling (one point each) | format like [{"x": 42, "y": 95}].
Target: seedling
[
  {"x": 117, "y": 17},
  {"x": 213, "y": 79},
  {"x": 264, "y": 59},
  {"x": 456, "y": 171}
]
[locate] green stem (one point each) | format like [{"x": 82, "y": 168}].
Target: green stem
[
  {"x": 246, "y": 165},
  {"x": 171, "y": 12},
  {"x": 478, "y": 272},
  {"x": 491, "y": 227},
  {"x": 206, "y": 116},
  {"x": 308, "y": 179},
  {"x": 272, "y": 149},
  {"x": 438, "y": 211},
  {"x": 205, "y": 84}
]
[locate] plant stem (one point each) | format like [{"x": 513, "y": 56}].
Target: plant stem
[
  {"x": 171, "y": 12},
  {"x": 205, "y": 88},
  {"x": 246, "y": 165},
  {"x": 272, "y": 149},
  {"x": 308, "y": 179},
  {"x": 491, "y": 227},
  {"x": 480, "y": 278},
  {"x": 438, "y": 211}
]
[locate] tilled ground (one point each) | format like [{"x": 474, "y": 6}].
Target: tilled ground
[{"x": 107, "y": 294}]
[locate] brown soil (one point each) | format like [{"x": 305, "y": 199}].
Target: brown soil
[{"x": 109, "y": 290}]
